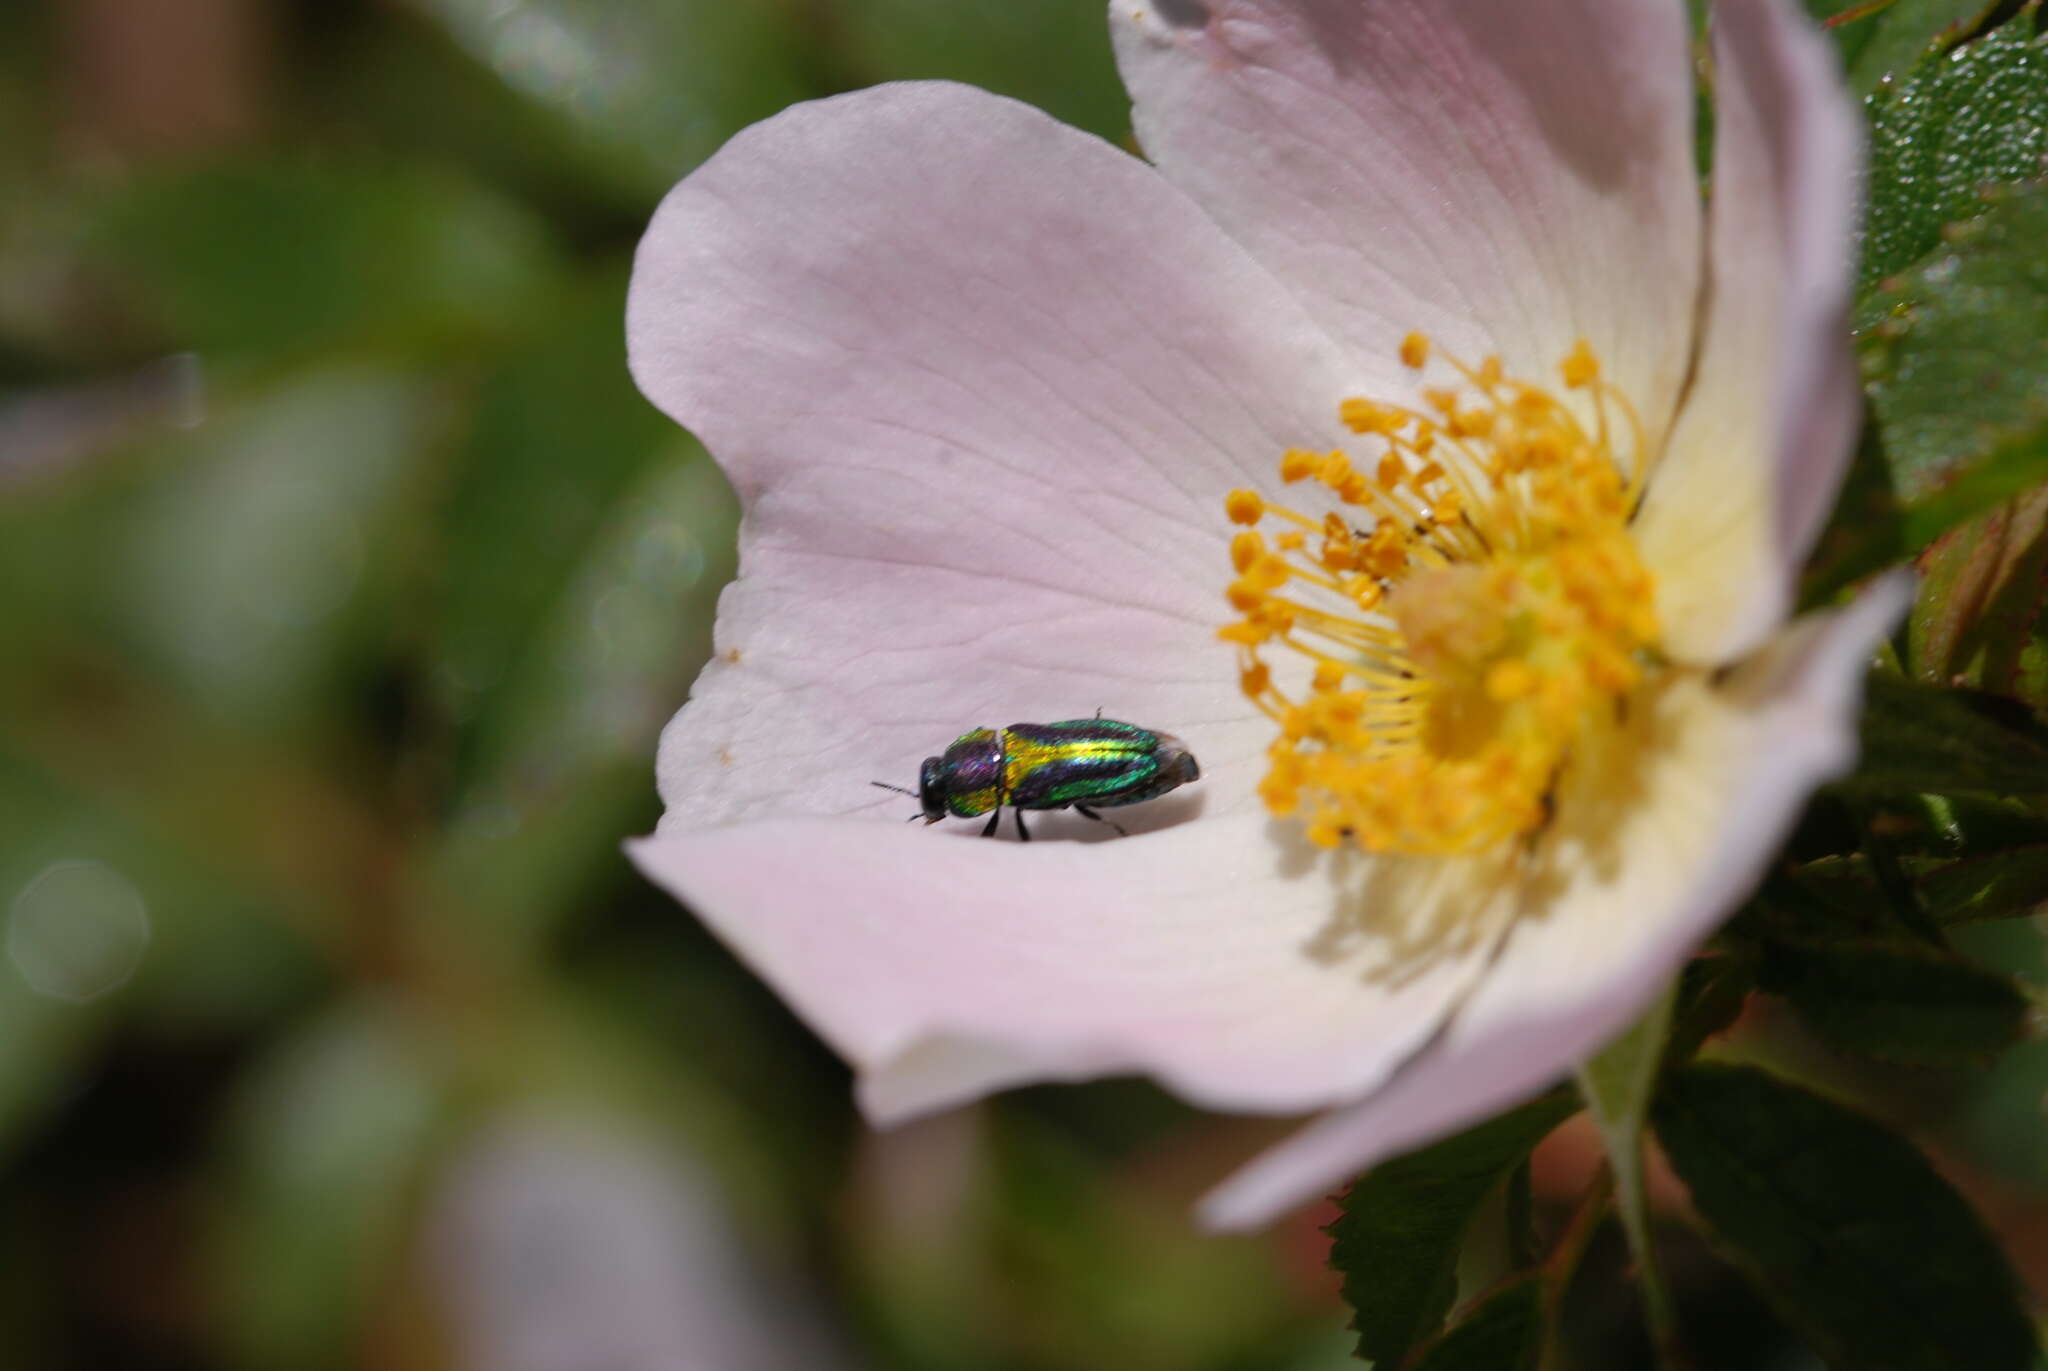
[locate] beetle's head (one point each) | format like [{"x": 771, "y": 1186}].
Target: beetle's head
[{"x": 931, "y": 789}]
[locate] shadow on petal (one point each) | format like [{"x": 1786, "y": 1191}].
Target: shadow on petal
[
  {"x": 1395, "y": 917},
  {"x": 1605, "y": 781}
]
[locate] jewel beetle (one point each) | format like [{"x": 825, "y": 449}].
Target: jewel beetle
[{"x": 1083, "y": 764}]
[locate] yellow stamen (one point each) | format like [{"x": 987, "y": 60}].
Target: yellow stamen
[
  {"x": 1472, "y": 604},
  {"x": 1581, "y": 367},
  {"x": 1298, "y": 465}
]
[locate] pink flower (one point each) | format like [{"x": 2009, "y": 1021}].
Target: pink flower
[{"x": 1496, "y": 722}]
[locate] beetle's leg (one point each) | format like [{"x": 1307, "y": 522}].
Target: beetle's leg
[
  {"x": 1023, "y": 835},
  {"x": 1086, "y": 812},
  {"x": 995, "y": 817}
]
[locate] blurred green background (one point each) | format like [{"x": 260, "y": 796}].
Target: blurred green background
[{"x": 345, "y": 582}]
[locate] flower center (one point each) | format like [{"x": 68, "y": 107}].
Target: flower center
[{"x": 1470, "y": 606}]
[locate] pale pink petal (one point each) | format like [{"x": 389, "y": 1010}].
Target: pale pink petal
[
  {"x": 982, "y": 382},
  {"x": 1646, "y": 866},
  {"x": 1221, "y": 957},
  {"x": 1505, "y": 175},
  {"x": 1761, "y": 443}
]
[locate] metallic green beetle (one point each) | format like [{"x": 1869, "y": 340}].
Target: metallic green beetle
[{"x": 1084, "y": 764}]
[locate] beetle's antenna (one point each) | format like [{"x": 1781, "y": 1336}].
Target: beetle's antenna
[{"x": 901, "y": 791}]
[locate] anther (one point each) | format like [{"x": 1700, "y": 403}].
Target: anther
[
  {"x": 1581, "y": 367},
  {"x": 1244, "y": 506},
  {"x": 1298, "y": 464},
  {"x": 1246, "y": 548},
  {"x": 1363, "y": 416}
]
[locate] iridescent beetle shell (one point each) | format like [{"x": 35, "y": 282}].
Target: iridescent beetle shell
[{"x": 1083, "y": 764}]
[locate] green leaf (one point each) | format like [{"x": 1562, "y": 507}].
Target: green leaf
[
  {"x": 1899, "y": 1001},
  {"x": 1712, "y": 991},
  {"x": 757, "y": 1099},
  {"x": 110, "y": 919},
  {"x": 1878, "y": 40},
  {"x": 1403, "y": 1224},
  {"x": 1956, "y": 375},
  {"x": 561, "y": 764},
  {"x": 2032, "y": 685},
  {"x": 269, "y": 258},
  {"x": 1502, "y": 1331},
  {"x": 1106, "y": 1276},
  {"x": 1996, "y": 868},
  {"x": 2002, "y": 885},
  {"x": 1829, "y": 898},
  {"x": 1998, "y": 1122},
  {"x": 1960, "y": 825},
  {"x": 2003, "y": 470},
  {"x": 44, "y": 1037},
  {"x": 586, "y": 546},
  {"x": 1921, "y": 738},
  {"x": 1959, "y": 121},
  {"x": 257, "y": 565},
  {"x": 379, "y": 79},
  {"x": 1981, "y": 598},
  {"x": 560, "y": 437},
  {"x": 1050, "y": 53},
  {"x": 646, "y": 91},
  {"x": 325, "y": 1139},
  {"x": 1843, "y": 1225},
  {"x": 1902, "y": 905}
]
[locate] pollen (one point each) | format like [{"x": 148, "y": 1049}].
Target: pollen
[
  {"x": 1457, "y": 604},
  {"x": 1244, "y": 506}
]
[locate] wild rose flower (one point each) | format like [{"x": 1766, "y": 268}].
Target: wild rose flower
[{"x": 1497, "y": 708}]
